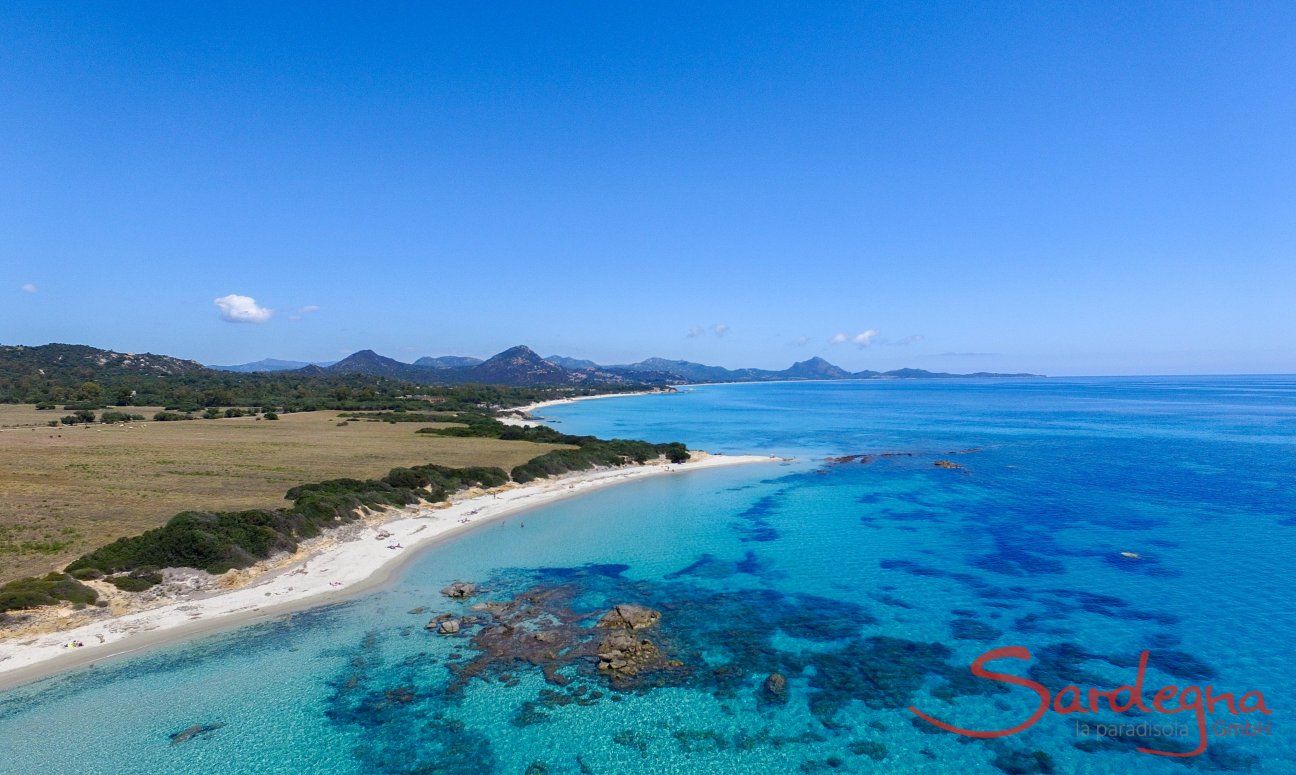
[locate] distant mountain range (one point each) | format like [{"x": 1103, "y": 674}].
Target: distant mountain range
[
  {"x": 522, "y": 366},
  {"x": 516, "y": 367},
  {"x": 271, "y": 364}
]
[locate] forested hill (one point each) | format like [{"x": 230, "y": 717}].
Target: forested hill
[{"x": 87, "y": 377}]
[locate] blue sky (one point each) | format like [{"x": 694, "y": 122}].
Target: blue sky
[{"x": 1066, "y": 188}]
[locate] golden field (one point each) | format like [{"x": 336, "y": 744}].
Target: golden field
[{"x": 66, "y": 490}]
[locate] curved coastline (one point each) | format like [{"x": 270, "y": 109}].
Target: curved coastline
[{"x": 335, "y": 573}]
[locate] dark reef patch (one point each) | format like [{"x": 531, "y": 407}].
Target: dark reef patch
[
  {"x": 754, "y": 525},
  {"x": 544, "y": 624},
  {"x": 971, "y": 629}
]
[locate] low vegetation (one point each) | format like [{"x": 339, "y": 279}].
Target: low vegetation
[
  {"x": 218, "y": 541},
  {"x": 589, "y": 451},
  {"x": 67, "y": 490},
  {"x": 49, "y": 589}
]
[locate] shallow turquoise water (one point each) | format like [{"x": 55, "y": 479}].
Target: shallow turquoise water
[{"x": 871, "y": 586}]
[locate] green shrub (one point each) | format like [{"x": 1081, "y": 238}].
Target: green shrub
[
  {"x": 111, "y": 417},
  {"x": 50, "y": 589},
  {"x": 137, "y": 581},
  {"x": 270, "y": 416},
  {"x": 81, "y": 416},
  {"x": 168, "y": 416}
]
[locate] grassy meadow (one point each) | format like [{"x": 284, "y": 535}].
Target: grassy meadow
[{"x": 69, "y": 489}]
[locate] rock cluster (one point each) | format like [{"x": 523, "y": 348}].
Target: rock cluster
[
  {"x": 449, "y": 624},
  {"x": 621, "y": 654},
  {"x": 460, "y": 590},
  {"x": 630, "y": 617},
  {"x": 624, "y": 655}
]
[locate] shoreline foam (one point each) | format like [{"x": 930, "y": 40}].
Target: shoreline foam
[{"x": 357, "y": 565}]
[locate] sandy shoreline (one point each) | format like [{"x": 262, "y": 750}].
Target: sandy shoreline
[
  {"x": 521, "y": 415},
  {"x": 342, "y": 570}
]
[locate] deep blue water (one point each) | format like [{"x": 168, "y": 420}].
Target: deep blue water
[{"x": 869, "y": 585}]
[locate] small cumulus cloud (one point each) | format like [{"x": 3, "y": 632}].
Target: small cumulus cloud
[
  {"x": 862, "y": 339},
  {"x": 303, "y": 311},
  {"x": 719, "y": 329},
  {"x": 865, "y": 338},
  {"x": 241, "y": 309},
  {"x": 29, "y": 287}
]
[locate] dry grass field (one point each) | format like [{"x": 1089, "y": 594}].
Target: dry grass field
[{"x": 66, "y": 490}]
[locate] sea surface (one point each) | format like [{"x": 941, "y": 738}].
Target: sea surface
[{"x": 869, "y": 585}]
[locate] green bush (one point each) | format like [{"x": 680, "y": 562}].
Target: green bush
[
  {"x": 270, "y": 416},
  {"x": 137, "y": 581},
  {"x": 168, "y": 416},
  {"x": 111, "y": 417},
  {"x": 81, "y": 416},
  {"x": 50, "y": 589}
]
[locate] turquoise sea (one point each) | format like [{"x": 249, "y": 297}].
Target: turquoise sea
[{"x": 870, "y": 585}]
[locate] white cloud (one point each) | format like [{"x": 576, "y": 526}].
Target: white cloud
[
  {"x": 301, "y": 311},
  {"x": 695, "y": 332},
  {"x": 720, "y": 329},
  {"x": 865, "y": 338},
  {"x": 29, "y": 287},
  {"x": 801, "y": 341},
  {"x": 241, "y": 309},
  {"x": 862, "y": 339}
]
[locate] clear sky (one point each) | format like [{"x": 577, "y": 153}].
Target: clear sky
[{"x": 1070, "y": 188}]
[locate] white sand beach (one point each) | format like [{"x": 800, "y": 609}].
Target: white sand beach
[
  {"x": 522, "y": 415},
  {"x": 341, "y": 564}
]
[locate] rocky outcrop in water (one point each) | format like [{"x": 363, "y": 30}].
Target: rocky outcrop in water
[
  {"x": 460, "y": 590},
  {"x": 630, "y": 617}
]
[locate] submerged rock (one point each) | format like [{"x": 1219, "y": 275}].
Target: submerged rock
[
  {"x": 449, "y": 627},
  {"x": 949, "y": 464},
  {"x": 196, "y": 730},
  {"x": 775, "y": 688}
]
